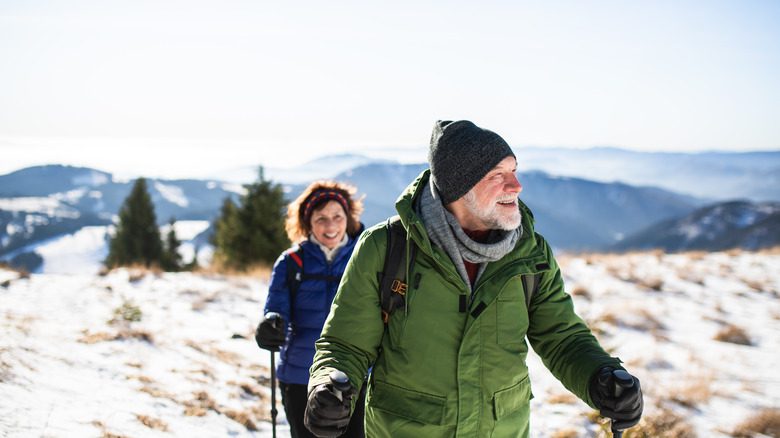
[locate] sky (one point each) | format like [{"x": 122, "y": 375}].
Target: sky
[{"x": 185, "y": 88}]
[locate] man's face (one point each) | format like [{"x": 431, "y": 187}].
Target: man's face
[{"x": 493, "y": 201}]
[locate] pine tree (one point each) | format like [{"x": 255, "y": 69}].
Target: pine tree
[
  {"x": 227, "y": 232},
  {"x": 171, "y": 259},
  {"x": 254, "y": 232},
  {"x": 137, "y": 238}
]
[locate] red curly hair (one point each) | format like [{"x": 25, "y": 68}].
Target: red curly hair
[{"x": 296, "y": 225}]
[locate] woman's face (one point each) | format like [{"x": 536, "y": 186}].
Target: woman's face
[{"x": 329, "y": 224}]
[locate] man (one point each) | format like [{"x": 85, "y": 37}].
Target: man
[{"x": 451, "y": 362}]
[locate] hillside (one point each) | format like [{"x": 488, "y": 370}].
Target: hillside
[
  {"x": 735, "y": 224},
  {"x": 38, "y": 204},
  {"x": 134, "y": 353},
  {"x": 572, "y": 213}
]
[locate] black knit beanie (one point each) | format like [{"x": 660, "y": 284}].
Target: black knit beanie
[{"x": 461, "y": 154}]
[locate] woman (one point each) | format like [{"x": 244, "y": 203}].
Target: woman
[{"x": 324, "y": 221}]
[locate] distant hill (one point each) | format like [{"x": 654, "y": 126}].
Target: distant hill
[
  {"x": 42, "y": 202},
  {"x": 720, "y": 176},
  {"x": 594, "y": 211},
  {"x": 735, "y": 224},
  {"x": 572, "y": 213}
]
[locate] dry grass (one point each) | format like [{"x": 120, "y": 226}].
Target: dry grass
[
  {"x": 755, "y": 285},
  {"x": 641, "y": 320},
  {"x": 152, "y": 423},
  {"x": 775, "y": 250},
  {"x": 565, "y": 433},
  {"x": 120, "y": 335},
  {"x": 765, "y": 422},
  {"x": 562, "y": 398},
  {"x": 260, "y": 270},
  {"x": 200, "y": 405},
  {"x": 126, "y": 313},
  {"x": 697, "y": 391},
  {"x": 734, "y": 335},
  {"x": 201, "y": 303},
  {"x": 580, "y": 291},
  {"x": 254, "y": 391},
  {"x": 608, "y": 318},
  {"x": 697, "y": 255},
  {"x": 652, "y": 283},
  {"x": 646, "y": 322},
  {"x": 158, "y": 393},
  {"x": 141, "y": 378},
  {"x": 241, "y": 417},
  {"x": 664, "y": 424},
  {"x": 23, "y": 273},
  {"x": 228, "y": 357},
  {"x": 104, "y": 432},
  {"x": 5, "y": 366}
]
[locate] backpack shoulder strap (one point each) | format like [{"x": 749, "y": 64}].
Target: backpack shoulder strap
[
  {"x": 294, "y": 260},
  {"x": 394, "y": 276}
]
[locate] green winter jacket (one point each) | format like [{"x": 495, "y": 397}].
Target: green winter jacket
[{"x": 441, "y": 372}]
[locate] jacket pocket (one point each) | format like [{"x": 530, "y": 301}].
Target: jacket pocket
[
  {"x": 511, "y": 399},
  {"x": 511, "y": 314},
  {"x": 405, "y": 403}
]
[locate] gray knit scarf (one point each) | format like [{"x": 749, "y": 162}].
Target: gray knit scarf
[{"x": 446, "y": 233}]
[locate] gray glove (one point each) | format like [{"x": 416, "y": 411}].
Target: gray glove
[
  {"x": 328, "y": 408},
  {"x": 618, "y": 395}
]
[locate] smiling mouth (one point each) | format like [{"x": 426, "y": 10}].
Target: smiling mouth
[
  {"x": 508, "y": 202},
  {"x": 330, "y": 235}
]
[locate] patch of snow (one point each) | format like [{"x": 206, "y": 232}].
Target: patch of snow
[
  {"x": 172, "y": 194},
  {"x": 62, "y": 375},
  {"x": 82, "y": 252},
  {"x": 50, "y": 206},
  {"x": 746, "y": 218},
  {"x": 185, "y": 230},
  {"x": 12, "y": 228},
  {"x": 31, "y": 221},
  {"x": 690, "y": 231},
  {"x": 91, "y": 179},
  {"x": 234, "y": 188},
  {"x": 71, "y": 196}
]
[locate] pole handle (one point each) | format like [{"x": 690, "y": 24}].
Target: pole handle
[
  {"x": 340, "y": 383},
  {"x": 622, "y": 380}
]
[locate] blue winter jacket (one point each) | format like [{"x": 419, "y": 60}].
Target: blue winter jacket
[{"x": 312, "y": 305}]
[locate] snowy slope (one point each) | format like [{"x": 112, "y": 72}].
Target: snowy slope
[
  {"x": 83, "y": 251},
  {"x": 65, "y": 370}
]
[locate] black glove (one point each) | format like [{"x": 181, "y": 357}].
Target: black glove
[
  {"x": 270, "y": 332},
  {"x": 328, "y": 408},
  {"x": 618, "y": 396}
]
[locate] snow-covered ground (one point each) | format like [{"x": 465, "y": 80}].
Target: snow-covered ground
[{"x": 136, "y": 354}]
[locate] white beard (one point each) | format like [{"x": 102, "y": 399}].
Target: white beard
[{"x": 491, "y": 216}]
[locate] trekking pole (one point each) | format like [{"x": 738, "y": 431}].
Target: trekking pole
[
  {"x": 622, "y": 380},
  {"x": 273, "y": 394}
]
